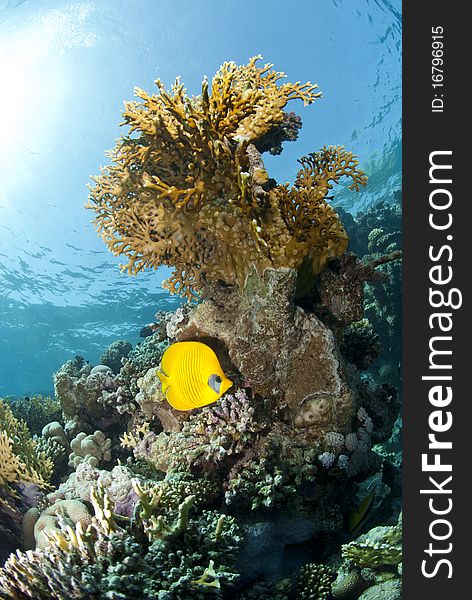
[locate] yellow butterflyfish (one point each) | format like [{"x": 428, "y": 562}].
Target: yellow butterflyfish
[{"x": 191, "y": 376}]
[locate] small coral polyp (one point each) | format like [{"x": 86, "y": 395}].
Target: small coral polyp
[{"x": 187, "y": 186}]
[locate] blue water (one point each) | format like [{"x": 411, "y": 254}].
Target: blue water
[{"x": 65, "y": 69}]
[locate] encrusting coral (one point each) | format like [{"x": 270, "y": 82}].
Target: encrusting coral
[
  {"x": 124, "y": 394},
  {"x": 380, "y": 547},
  {"x": 372, "y": 565},
  {"x": 188, "y": 188},
  {"x": 118, "y": 484},
  {"x": 210, "y": 438},
  {"x": 78, "y": 387},
  {"x": 113, "y": 355}
]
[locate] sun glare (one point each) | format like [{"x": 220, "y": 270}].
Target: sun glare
[{"x": 34, "y": 77}]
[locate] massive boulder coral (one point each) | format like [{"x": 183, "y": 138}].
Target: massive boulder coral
[
  {"x": 118, "y": 484},
  {"x": 113, "y": 355},
  {"x": 93, "y": 449},
  {"x": 188, "y": 188},
  {"x": 47, "y": 524},
  {"x": 270, "y": 341}
]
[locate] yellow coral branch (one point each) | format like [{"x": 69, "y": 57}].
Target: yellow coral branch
[{"x": 186, "y": 191}]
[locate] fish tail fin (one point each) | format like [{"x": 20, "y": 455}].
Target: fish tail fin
[{"x": 164, "y": 380}]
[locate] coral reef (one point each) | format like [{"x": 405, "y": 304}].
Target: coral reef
[
  {"x": 25, "y": 469},
  {"x": 78, "y": 387},
  {"x": 125, "y": 394},
  {"x": 349, "y": 585},
  {"x": 279, "y": 590},
  {"x": 36, "y": 411},
  {"x": 387, "y": 590},
  {"x": 252, "y": 496},
  {"x": 55, "y": 432},
  {"x": 382, "y": 404},
  {"x": 338, "y": 294},
  {"x": 210, "y": 439},
  {"x": 270, "y": 475},
  {"x": 286, "y": 131},
  {"x": 375, "y": 232},
  {"x": 269, "y": 341},
  {"x": 48, "y": 523},
  {"x": 118, "y": 484},
  {"x": 53, "y": 452},
  {"x": 372, "y": 565},
  {"x": 21, "y": 461},
  {"x": 380, "y": 547},
  {"x": 107, "y": 560},
  {"x": 361, "y": 344}
]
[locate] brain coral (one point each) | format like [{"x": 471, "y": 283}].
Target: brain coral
[{"x": 187, "y": 186}]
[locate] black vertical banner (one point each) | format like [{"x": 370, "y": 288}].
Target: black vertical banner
[{"x": 437, "y": 354}]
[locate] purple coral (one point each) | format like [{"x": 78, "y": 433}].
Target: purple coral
[
  {"x": 235, "y": 409},
  {"x": 125, "y": 506},
  {"x": 143, "y": 448},
  {"x": 327, "y": 459}
]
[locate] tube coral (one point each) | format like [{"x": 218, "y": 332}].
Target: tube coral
[{"x": 187, "y": 186}]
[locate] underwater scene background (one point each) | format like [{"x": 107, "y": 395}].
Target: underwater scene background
[
  {"x": 66, "y": 69},
  {"x": 220, "y": 418}
]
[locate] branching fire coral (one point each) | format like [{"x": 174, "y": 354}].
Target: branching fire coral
[
  {"x": 188, "y": 188},
  {"x": 21, "y": 461}
]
